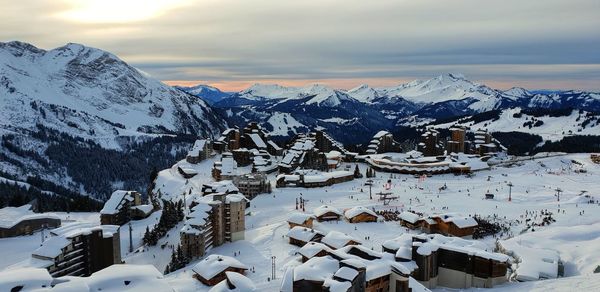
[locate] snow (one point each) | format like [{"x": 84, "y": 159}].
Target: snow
[
  {"x": 113, "y": 204},
  {"x": 239, "y": 282},
  {"x": 31, "y": 279},
  {"x": 322, "y": 210},
  {"x": 283, "y": 124},
  {"x": 336, "y": 239},
  {"x": 303, "y": 233},
  {"x": 355, "y": 211},
  {"x": 214, "y": 264},
  {"x": 316, "y": 269},
  {"x": 258, "y": 141},
  {"x": 299, "y": 218},
  {"x": 573, "y": 236},
  {"x": 10, "y": 216},
  {"x": 311, "y": 249}
]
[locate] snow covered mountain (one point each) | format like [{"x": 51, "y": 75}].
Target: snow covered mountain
[
  {"x": 367, "y": 108},
  {"x": 86, "y": 97},
  {"x": 208, "y": 93}
]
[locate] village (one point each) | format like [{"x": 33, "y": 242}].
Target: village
[{"x": 244, "y": 213}]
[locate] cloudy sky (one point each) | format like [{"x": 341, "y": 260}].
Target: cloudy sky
[{"x": 550, "y": 44}]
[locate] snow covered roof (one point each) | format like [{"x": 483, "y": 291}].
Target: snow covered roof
[
  {"x": 11, "y": 216},
  {"x": 52, "y": 247},
  {"x": 336, "y": 239},
  {"x": 303, "y": 233},
  {"x": 337, "y": 286},
  {"x": 198, "y": 147},
  {"x": 224, "y": 186},
  {"x": 346, "y": 273},
  {"x": 214, "y": 264},
  {"x": 258, "y": 141},
  {"x": 355, "y": 211},
  {"x": 409, "y": 217},
  {"x": 115, "y": 201},
  {"x": 147, "y": 209},
  {"x": 274, "y": 145},
  {"x": 234, "y": 282},
  {"x": 404, "y": 239},
  {"x": 322, "y": 210},
  {"x": 299, "y": 218},
  {"x": 30, "y": 279},
  {"x": 459, "y": 221},
  {"x": 125, "y": 277},
  {"x": 316, "y": 269},
  {"x": 312, "y": 248}
]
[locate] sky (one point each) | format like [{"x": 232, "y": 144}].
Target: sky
[{"x": 536, "y": 44}]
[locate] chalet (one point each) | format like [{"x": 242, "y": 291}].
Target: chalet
[
  {"x": 123, "y": 206},
  {"x": 234, "y": 282},
  {"x": 79, "y": 249},
  {"x": 301, "y": 235},
  {"x": 17, "y": 221},
  {"x": 313, "y": 249},
  {"x": 212, "y": 269},
  {"x": 201, "y": 150},
  {"x": 224, "y": 186},
  {"x": 410, "y": 220},
  {"x": 595, "y": 158},
  {"x": 449, "y": 224},
  {"x": 336, "y": 239},
  {"x": 327, "y": 213},
  {"x": 449, "y": 261},
  {"x": 360, "y": 214},
  {"x": 301, "y": 219}
]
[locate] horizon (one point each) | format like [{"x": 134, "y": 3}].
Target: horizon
[{"x": 230, "y": 44}]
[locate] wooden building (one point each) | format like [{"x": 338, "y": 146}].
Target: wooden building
[
  {"x": 301, "y": 219},
  {"x": 460, "y": 226},
  {"x": 212, "y": 269},
  {"x": 201, "y": 150},
  {"x": 360, "y": 215},
  {"x": 301, "y": 235},
  {"x": 327, "y": 213},
  {"x": 123, "y": 206}
]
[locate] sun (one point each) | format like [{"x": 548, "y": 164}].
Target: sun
[{"x": 116, "y": 11}]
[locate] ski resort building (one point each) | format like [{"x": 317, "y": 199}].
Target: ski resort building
[
  {"x": 360, "y": 214},
  {"x": 327, "y": 213},
  {"x": 430, "y": 144},
  {"x": 352, "y": 268},
  {"x": 449, "y": 261},
  {"x": 79, "y": 250},
  {"x": 251, "y": 137},
  {"x": 123, "y": 206},
  {"x": 17, "y": 221},
  {"x": 214, "y": 220},
  {"x": 312, "y": 179},
  {"x": 301, "y": 219},
  {"x": 213, "y": 269},
  {"x": 300, "y": 236},
  {"x": 201, "y": 150},
  {"x": 250, "y": 185},
  {"x": 383, "y": 142},
  {"x": 456, "y": 144}
]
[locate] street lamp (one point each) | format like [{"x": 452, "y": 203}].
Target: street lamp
[
  {"x": 370, "y": 184},
  {"x": 510, "y": 185},
  {"x": 558, "y": 191}
]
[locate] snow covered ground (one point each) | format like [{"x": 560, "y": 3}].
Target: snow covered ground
[{"x": 575, "y": 235}]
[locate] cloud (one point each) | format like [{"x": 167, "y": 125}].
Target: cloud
[{"x": 531, "y": 42}]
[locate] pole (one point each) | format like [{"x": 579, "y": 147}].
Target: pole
[
  {"x": 273, "y": 267},
  {"x": 510, "y": 185},
  {"x": 130, "y": 238}
]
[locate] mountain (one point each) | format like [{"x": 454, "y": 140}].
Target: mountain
[
  {"x": 208, "y": 93},
  {"x": 289, "y": 110},
  {"x": 91, "y": 103},
  {"x": 365, "y": 109}
]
